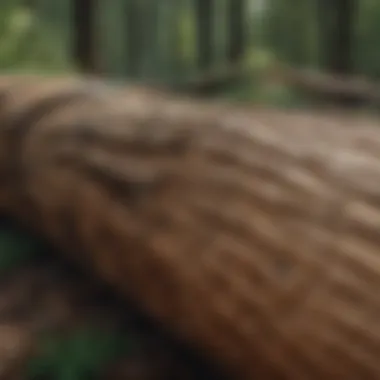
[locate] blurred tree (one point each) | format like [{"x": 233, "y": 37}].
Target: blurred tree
[
  {"x": 150, "y": 38},
  {"x": 337, "y": 19},
  {"x": 135, "y": 37},
  {"x": 289, "y": 31},
  {"x": 204, "y": 30},
  {"x": 84, "y": 41},
  {"x": 367, "y": 28},
  {"x": 236, "y": 39},
  {"x": 177, "y": 41}
]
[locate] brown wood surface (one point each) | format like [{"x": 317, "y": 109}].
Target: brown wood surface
[{"x": 250, "y": 233}]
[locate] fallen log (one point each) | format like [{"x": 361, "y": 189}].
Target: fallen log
[
  {"x": 250, "y": 233},
  {"x": 329, "y": 88}
]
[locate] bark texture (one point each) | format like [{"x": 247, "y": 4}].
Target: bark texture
[{"x": 249, "y": 232}]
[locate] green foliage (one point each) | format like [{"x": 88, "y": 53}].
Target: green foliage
[
  {"x": 27, "y": 43},
  {"x": 37, "y": 38},
  {"x": 367, "y": 52},
  {"x": 289, "y": 30},
  {"x": 77, "y": 355}
]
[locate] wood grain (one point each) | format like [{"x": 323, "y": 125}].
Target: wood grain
[{"x": 251, "y": 233}]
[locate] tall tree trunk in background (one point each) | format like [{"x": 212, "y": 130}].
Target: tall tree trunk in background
[
  {"x": 150, "y": 11},
  {"x": 204, "y": 30},
  {"x": 236, "y": 41},
  {"x": 336, "y": 23},
  {"x": 135, "y": 38},
  {"x": 84, "y": 44},
  {"x": 178, "y": 60}
]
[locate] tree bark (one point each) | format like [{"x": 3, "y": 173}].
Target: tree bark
[{"x": 251, "y": 233}]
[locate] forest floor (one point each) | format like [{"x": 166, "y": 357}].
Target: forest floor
[{"x": 58, "y": 323}]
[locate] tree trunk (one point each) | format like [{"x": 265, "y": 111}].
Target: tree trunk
[
  {"x": 84, "y": 44},
  {"x": 205, "y": 23},
  {"x": 236, "y": 41},
  {"x": 135, "y": 38},
  {"x": 251, "y": 233},
  {"x": 336, "y": 20}
]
